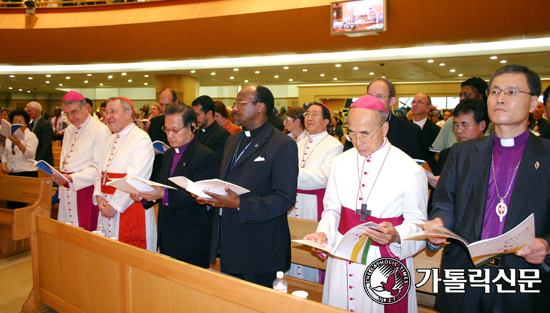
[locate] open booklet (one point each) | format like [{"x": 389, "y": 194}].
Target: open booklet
[
  {"x": 11, "y": 130},
  {"x": 44, "y": 166},
  {"x": 483, "y": 251},
  {"x": 426, "y": 167},
  {"x": 134, "y": 184},
  {"x": 353, "y": 247},
  {"x": 160, "y": 147},
  {"x": 216, "y": 186}
]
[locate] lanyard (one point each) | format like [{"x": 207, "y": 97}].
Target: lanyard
[{"x": 235, "y": 157}]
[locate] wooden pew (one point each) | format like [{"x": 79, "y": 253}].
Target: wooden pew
[
  {"x": 303, "y": 255},
  {"x": 15, "y": 227},
  {"x": 78, "y": 271}
]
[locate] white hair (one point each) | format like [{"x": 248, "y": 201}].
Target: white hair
[{"x": 35, "y": 105}]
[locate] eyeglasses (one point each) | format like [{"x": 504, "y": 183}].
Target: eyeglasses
[
  {"x": 507, "y": 92},
  {"x": 112, "y": 112},
  {"x": 242, "y": 103},
  {"x": 380, "y": 97},
  {"x": 311, "y": 115},
  {"x": 168, "y": 131},
  {"x": 463, "y": 126},
  {"x": 362, "y": 136}
]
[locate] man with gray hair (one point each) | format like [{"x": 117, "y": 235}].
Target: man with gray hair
[
  {"x": 81, "y": 152},
  {"x": 43, "y": 131},
  {"x": 128, "y": 152}
]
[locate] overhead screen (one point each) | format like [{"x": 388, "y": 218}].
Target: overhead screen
[{"x": 357, "y": 17}]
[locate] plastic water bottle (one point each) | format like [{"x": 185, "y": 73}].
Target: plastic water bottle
[
  {"x": 100, "y": 230},
  {"x": 280, "y": 283}
]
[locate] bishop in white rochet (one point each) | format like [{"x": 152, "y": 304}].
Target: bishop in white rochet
[
  {"x": 376, "y": 182},
  {"x": 81, "y": 152},
  {"x": 128, "y": 152}
]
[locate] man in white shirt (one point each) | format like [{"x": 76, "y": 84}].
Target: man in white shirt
[
  {"x": 420, "y": 108},
  {"x": 315, "y": 154},
  {"x": 81, "y": 152},
  {"x": 128, "y": 152},
  {"x": 382, "y": 185},
  {"x": 59, "y": 123}
]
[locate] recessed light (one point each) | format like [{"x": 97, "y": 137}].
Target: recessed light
[
  {"x": 48, "y": 75},
  {"x": 129, "y": 80},
  {"x": 335, "y": 78},
  {"x": 246, "y": 80},
  {"x": 441, "y": 64},
  {"x": 337, "y": 65},
  {"x": 291, "y": 80},
  {"x": 85, "y": 82},
  {"x": 193, "y": 71},
  {"x": 68, "y": 77},
  {"x": 371, "y": 73},
  {"x": 28, "y": 91},
  {"x": 383, "y": 76},
  {"x": 89, "y": 74},
  {"x": 285, "y": 67},
  {"x": 257, "y": 72},
  {"x": 110, "y": 76},
  {"x": 452, "y": 70},
  {"x": 276, "y": 76},
  {"x": 123, "y": 74},
  {"x": 322, "y": 75},
  {"x": 460, "y": 75},
  {"x": 430, "y": 61},
  {"x": 47, "y": 82},
  {"x": 12, "y": 76},
  {"x": 60, "y": 84},
  {"x": 101, "y": 84},
  {"x": 10, "y": 88},
  {"x": 146, "y": 84},
  {"x": 356, "y": 68},
  {"x": 20, "y": 89},
  {"x": 31, "y": 77},
  {"x": 236, "y": 69},
  {"x": 503, "y": 61},
  {"x": 304, "y": 70},
  {"x": 213, "y": 73},
  {"x": 232, "y": 77},
  {"x": 145, "y": 75},
  {"x": 494, "y": 57}
]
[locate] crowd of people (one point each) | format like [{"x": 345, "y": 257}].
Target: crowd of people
[{"x": 487, "y": 153}]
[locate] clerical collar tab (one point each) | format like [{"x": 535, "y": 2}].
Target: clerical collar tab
[
  {"x": 203, "y": 130},
  {"x": 509, "y": 142},
  {"x": 247, "y": 133},
  {"x": 177, "y": 150}
]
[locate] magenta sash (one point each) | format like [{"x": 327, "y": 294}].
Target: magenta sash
[
  {"x": 348, "y": 220},
  {"x": 320, "y": 194}
]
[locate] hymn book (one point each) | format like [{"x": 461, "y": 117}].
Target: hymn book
[
  {"x": 483, "y": 251},
  {"x": 134, "y": 184},
  {"x": 44, "y": 166},
  {"x": 354, "y": 246},
  {"x": 216, "y": 186},
  {"x": 160, "y": 147},
  {"x": 12, "y": 130}
]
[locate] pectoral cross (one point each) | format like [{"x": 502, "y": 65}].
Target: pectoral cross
[
  {"x": 105, "y": 177},
  {"x": 363, "y": 212}
]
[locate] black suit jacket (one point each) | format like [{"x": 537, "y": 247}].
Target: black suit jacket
[
  {"x": 184, "y": 226},
  {"x": 429, "y": 133},
  {"x": 213, "y": 137},
  {"x": 460, "y": 200},
  {"x": 44, "y": 132},
  {"x": 256, "y": 238},
  {"x": 156, "y": 133},
  {"x": 402, "y": 134}
]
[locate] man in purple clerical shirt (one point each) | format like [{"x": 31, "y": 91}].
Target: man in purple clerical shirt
[{"x": 490, "y": 185}]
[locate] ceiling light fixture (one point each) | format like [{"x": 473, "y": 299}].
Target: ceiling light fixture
[
  {"x": 12, "y": 76},
  {"x": 304, "y": 70},
  {"x": 145, "y": 75},
  {"x": 47, "y": 82},
  {"x": 146, "y": 84},
  {"x": 236, "y": 69},
  {"x": 20, "y": 89},
  {"x": 232, "y": 77},
  {"x": 291, "y": 80},
  {"x": 89, "y": 74},
  {"x": 110, "y": 76},
  {"x": 213, "y": 73},
  {"x": 68, "y": 77},
  {"x": 123, "y": 74},
  {"x": 101, "y": 84},
  {"x": 494, "y": 57},
  {"x": 371, "y": 73},
  {"x": 276, "y": 76},
  {"x": 10, "y": 88},
  {"x": 460, "y": 75},
  {"x": 193, "y": 71},
  {"x": 29, "y": 78},
  {"x": 48, "y": 75},
  {"x": 338, "y": 65},
  {"x": 285, "y": 67},
  {"x": 129, "y": 80},
  {"x": 430, "y": 61},
  {"x": 246, "y": 80},
  {"x": 452, "y": 70},
  {"x": 503, "y": 61},
  {"x": 322, "y": 75},
  {"x": 335, "y": 78},
  {"x": 85, "y": 82},
  {"x": 60, "y": 84},
  {"x": 356, "y": 68},
  {"x": 441, "y": 64}
]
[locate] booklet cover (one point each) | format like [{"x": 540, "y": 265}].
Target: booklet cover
[
  {"x": 44, "y": 166},
  {"x": 216, "y": 186},
  {"x": 134, "y": 184},
  {"x": 483, "y": 251},
  {"x": 9, "y": 130},
  {"x": 353, "y": 247},
  {"x": 160, "y": 147}
]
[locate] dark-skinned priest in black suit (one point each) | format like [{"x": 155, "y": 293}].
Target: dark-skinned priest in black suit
[
  {"x": 184, "y": 226},
  {"x": 254, "y": 238}
]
